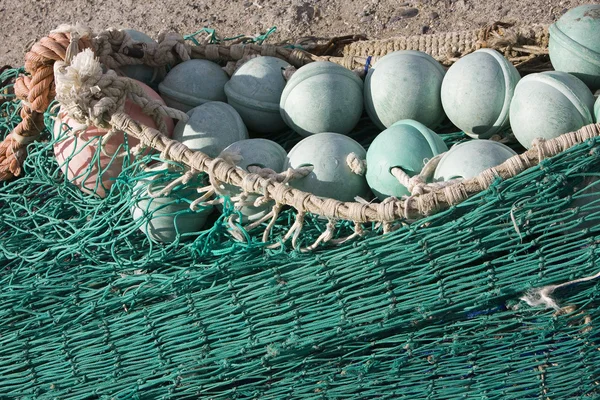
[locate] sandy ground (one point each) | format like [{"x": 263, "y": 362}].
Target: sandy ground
[{"x": 22, "y": 21}]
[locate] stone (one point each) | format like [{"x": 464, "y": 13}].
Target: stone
[
  {"x": 549, "y": 104},
  {"x": 406, "y": 144},
  {"x": 322, "y": 97},
  {"x": 410, "y": 12},
  {"x": 574, "y": 44},
  {"x": 255, "y": 90},
  {"x": 211, "y": 128},
  {"x": 477, "y": 91},
  {"x": 331, "y": 177},
  {"x": 192, "y": 83},
  {"x": 597, "y": 110},
  {"x": 469, "y": 159},
  {"x": 404, "y": 85}
]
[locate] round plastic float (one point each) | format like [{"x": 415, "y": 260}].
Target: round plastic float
[
  {"x": 404, "y": 85},
  {"x": 477, "y": 91},
  {"x": 261, "y": 153},
  {"x": 331, "y": 177},
  {"x": 255, "y": 90},
  {"x": 144, "y": 73},
  {"x": 211, "y": 128},
  {"x": 167, "y": 216},
  {"x": 548, "y": 104},
  {"x": 469, "y": 159},
  {"x": 406, "y": 144},
  {"x": 574, "y": 45},
  {"x": 81, "y": 159},
  {"x": 322, "y": 97},
  {"x": 192, "y": 83}
]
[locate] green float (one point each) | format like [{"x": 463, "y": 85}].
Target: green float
[
  {"x": 260, "y": 153},
  {"x": 255, "y": 90},
  {"x": 166, "y": 217},
  {"x": 331, "y": 177},
  {"x": 193, "y": 83},
  {"x": 211, "y": 128},
  {"x": 477, "y": 91},
  {"x": 144, "y": 73},
  {"x": 404, "y": 85},
  {"x": 407, "y": 145},
  {"x": 574, "y": 44},
  {"x": 469, "y": 159},
  {"x": 322, "y": 97},
  {"x": 548, "y": 104}
]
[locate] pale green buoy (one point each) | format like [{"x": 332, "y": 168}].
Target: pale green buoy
[
  {"x": 255, "y": 90},
  {"x": 164, "y": 217},
  {"x": 406, "y": 144},
  {"x": 151, "y": 76},
  {"x": 211, "y": 128},
  {"x": 192, "y": 83},
  {"x": 404, "y": 85},
  {"x": 261, "y": 153},
  {"x": 574, "y": 44},
  {"x": 322, "y": 97},
  {"x": 548, "y": 104},
  {"x": 469, "y": 159},
  {"x": 477, "y": 91},
  {"x": 331, "y": 177}
]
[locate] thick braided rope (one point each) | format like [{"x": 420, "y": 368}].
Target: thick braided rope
[
  {"x": 36, "y": 92},
  {"x": 445, "y": 47},
  {"x": 237, "y": 52}
]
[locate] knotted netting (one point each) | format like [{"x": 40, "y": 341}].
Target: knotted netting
[{"x": 92, "y": 307}]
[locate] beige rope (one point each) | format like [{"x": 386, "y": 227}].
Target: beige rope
[
  {"x": 356, "y": 164},
  {"x": 445, "y": 47},
  {"x": 390, "y": 210}
]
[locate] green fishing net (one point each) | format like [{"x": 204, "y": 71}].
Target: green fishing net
[{"x": 91, "y": 307}]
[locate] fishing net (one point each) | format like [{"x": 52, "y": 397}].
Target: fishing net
[{"x": 92, "y": 307}]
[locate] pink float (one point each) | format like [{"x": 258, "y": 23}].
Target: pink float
[{"x": 81, "y": 151}]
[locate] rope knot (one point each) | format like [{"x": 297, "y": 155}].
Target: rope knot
[
  {"x": 356, "y": 164},
  {"x": 171, "y": 45},
  {"x": 416, "y": 185}
]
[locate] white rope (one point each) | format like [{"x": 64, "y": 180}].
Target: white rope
[{"x": 541, "y": 296}]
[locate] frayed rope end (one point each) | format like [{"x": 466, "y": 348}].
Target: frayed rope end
[{"x": 541, "y": 297}]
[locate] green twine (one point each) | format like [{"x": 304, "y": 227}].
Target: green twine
[{"x": 214, "y": 39}]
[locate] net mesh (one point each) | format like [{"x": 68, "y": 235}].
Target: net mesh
[{"x": 93, "y": 308}]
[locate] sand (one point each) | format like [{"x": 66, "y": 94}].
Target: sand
[{"x": 24, "y": 21}]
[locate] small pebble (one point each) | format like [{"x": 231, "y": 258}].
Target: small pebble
[
  {"x": 434, "y": 15},
  {"x": 424, "y": 29},
  {"x": 404, "y": 14},
  {"x": 409, "y": 13}
]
